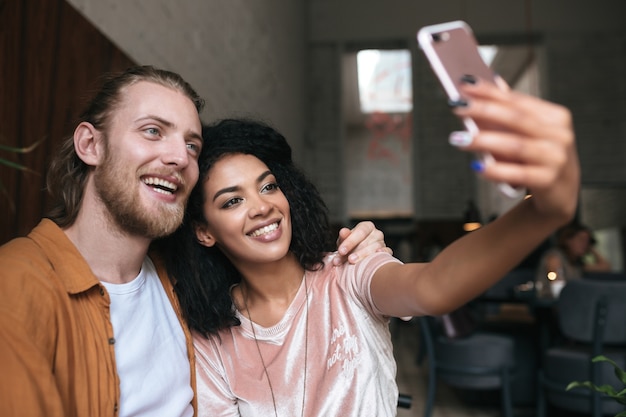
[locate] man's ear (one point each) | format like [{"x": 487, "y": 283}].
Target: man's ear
[
  {"x": 87, "y": 143},
  {"x": 204, "y": 237}
]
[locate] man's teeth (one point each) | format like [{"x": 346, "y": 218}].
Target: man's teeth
[
  {"x": 160, "y": 185},
  {"x": 264, "y": 230}
]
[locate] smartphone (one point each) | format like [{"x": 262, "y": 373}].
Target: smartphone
[{"x": 452, "y": 51}]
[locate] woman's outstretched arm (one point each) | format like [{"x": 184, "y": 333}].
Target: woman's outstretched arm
[{"x": 533, "y": 143}]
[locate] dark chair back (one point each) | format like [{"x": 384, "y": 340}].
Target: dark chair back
[
  {"x": 592, "y": 317},
  {"x": 593, "y": 311},
  {"x": 478, "y": 361}
]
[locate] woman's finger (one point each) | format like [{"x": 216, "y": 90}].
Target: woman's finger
[
  {"x": 511, "y": 147},
  {"x": 517, "y": 114}
]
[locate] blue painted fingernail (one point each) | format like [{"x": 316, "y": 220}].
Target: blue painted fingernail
[
  {"x": 458, "y": 103},
  {"x": 460, "y": 138},
  {"x": 477, "y": 166}
]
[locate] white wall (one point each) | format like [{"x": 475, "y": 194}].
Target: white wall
[{"x": 243, "y": 57}]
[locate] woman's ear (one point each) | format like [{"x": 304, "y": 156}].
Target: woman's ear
[
  {"x": 87, "y": 143},
  {"x": 204, "y": 237}
]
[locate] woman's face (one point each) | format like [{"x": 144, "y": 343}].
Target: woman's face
[
  {"x": 579, "y": 244},
  {"x": 247, "y": 215}
]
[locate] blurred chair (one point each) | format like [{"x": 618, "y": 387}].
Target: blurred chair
[
  {"x": 592, "y": 321},
  {"x": 478, "y": 361}
]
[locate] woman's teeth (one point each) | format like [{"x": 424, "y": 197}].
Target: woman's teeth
[{"x": 264, "y": 230}]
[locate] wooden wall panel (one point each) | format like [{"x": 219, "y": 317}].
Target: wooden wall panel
[
  {"x": 10, "y": 28},
  {"x": 52, "y": 58},
  {"x": 37, "y": 61}
]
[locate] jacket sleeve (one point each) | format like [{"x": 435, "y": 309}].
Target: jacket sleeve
[
  {"x": 27, "y": 386},
  {"x": 27, "y": 337}
]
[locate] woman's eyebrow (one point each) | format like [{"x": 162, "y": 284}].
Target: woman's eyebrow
[
  {"x": 224, "y": 191},
  {"x": 235, "y": 188}
]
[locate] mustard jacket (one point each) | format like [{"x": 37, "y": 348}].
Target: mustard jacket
[{"x": 56, "y": 351}]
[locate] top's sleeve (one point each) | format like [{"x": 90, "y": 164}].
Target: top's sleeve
[
  {"x": 357, "y": 278},
  {"x": 215, "y": 399}
]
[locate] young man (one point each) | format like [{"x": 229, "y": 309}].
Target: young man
[{"x": 89, "y": 323}]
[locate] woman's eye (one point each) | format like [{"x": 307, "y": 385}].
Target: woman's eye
[
  {"x": 231, "y": 202},
  {"x": 271, "y": 187},
  {"x": 152, "y": 131}
]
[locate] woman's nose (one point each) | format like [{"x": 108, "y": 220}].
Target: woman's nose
[{"x": 259, "y": 207}]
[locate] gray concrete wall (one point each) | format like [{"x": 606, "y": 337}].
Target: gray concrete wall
[
  {"x": 280, "y": 59},
  {"x": 583, "y": 47},
  {"x": 243, "y": 57},
  {"x": 358, "y": 20}
]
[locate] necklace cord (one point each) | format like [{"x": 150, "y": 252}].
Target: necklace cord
[{"x": 306, "y": 345}]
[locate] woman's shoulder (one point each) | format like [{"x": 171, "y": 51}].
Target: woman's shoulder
[{"x": 347, "y": 272}]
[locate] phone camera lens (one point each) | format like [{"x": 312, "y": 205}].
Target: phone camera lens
[{"x": 441, "y": 37}]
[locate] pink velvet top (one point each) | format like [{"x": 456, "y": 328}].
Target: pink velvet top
[{"x": 350, "y": 366}]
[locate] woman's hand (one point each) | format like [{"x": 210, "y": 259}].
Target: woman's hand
[
  {"x": 531, "y": 140},
  {"x": 363, "y": 240}
]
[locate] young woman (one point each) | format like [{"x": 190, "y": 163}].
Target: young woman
[
  {"x": 279, "y": 330},
  {"x": 572, "y": 256}
]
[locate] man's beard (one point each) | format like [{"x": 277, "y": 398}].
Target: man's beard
[{"x": 116, "y": 186}]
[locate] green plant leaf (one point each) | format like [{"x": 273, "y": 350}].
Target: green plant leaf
[
  {"x": 605, "y": 389},
  {"x": 25, "y": 149},
  {"x": 608, "y": 390},
  {"x": 15, "y": 165},
  {"x": 22, "y": 150},
  {"x": 619, "y": 373}
]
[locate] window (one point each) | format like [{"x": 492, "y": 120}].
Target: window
[
  {"x": 378, "y": 105},
  {"x": 385, "y": 81}
]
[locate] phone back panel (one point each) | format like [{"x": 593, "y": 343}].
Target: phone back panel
[{"x": 452, "y": 51}]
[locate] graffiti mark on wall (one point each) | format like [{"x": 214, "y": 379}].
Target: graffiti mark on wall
[{"x": 385, "y": 128}]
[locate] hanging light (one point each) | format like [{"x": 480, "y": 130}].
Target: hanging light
[{"x": 472, "y": 219}]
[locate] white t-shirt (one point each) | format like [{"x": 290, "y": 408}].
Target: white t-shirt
[
  {"x": 350, "y": 365},
  {"x": 150, "y": 349}
]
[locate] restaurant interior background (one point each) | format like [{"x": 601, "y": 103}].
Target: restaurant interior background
[{"x": 294, "y": 63}]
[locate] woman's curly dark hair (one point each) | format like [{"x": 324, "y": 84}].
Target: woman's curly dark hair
[{"x": 204, "y": 275}]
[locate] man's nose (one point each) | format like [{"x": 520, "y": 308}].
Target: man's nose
[{"x": 176, "y": 153}]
